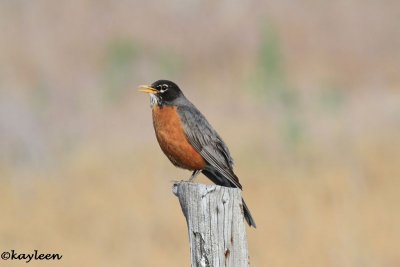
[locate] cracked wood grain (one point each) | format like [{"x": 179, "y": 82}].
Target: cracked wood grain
[{"x": 216, "y": 227}]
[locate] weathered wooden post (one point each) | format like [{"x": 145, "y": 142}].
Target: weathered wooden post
[{"x": 217, "y": 232}]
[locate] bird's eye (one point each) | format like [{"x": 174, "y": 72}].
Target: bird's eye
[{"x": 163, "y": 88}]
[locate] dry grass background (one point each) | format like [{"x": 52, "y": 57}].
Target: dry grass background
[{"x": 305, "y": 94}]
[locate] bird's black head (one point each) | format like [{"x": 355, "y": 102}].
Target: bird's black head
[{"x": 162, "y": 92}]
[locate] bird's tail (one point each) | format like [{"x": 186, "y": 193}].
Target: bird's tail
[
  {"x": 220, "y": 180},
  {"x": 247, "y": 215}
]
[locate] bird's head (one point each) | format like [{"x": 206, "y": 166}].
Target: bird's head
[{"x": 162, "y": 92}]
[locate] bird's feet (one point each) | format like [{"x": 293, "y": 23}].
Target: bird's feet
[{"x": 194, "y": 175}]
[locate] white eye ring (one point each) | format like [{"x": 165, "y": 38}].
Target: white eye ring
[{"x": 164, "y": 88}]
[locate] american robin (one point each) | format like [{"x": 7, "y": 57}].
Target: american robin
[{"x": 188, "y": 140}]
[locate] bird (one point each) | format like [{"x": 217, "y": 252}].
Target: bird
[{"x": 188, "y": 139}]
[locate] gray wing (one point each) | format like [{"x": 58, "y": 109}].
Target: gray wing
[{"x": 207, "y": 142}]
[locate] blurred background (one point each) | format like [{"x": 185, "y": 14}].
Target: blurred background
[{"x": 306, "y": 94}]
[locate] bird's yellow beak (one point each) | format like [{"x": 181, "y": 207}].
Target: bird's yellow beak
[{"x": 147, "y": 89}]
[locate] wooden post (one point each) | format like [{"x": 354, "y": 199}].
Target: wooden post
[{"x": 217, "y": 231}]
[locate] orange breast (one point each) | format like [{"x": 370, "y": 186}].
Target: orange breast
[{"x": 173, "y": 141}]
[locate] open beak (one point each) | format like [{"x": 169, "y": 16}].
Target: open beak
[{"x": 147, "y": 89}]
